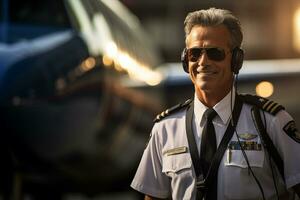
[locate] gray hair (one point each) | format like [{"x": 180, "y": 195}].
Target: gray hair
[{"x": 215, "y": 17}]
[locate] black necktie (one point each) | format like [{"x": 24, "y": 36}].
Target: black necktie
[
  {"x": 208, "y": 141},
  {"x": 208, "y": 150}
]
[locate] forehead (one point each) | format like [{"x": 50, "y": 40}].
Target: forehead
[{"x": 205, "y": 36}]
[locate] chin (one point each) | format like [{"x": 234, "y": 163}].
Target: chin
[
  {"x": 202, "y": 84},
  {"x": 204, "y": 87}
]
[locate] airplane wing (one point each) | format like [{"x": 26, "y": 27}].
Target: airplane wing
[{"x": 76, "y": 105}]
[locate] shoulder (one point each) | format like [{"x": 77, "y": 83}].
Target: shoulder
[
  {"x": 172, "y": 110},
  {"x": 262, "y": 103}
]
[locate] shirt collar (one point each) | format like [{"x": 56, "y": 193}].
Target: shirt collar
[
  {"x": 223, "y": 107},
  {"x": 199, "y": 109}
]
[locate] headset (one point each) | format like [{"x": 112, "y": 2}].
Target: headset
[{"x": 236, "y": 60}]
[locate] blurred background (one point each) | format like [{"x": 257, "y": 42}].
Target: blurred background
[
  {"x": 271, "y": 27},
  {"x": 82, "y": 80}
]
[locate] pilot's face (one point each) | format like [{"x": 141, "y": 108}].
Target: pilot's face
[{"x": 210, "y": 72}]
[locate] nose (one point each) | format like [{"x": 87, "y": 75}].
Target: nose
[{"x": 203, "y": 59}]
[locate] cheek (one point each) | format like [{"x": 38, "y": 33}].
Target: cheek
[
  {"x": 228, "y": 70},
  {"x": 228, "y": 63},
  {"x": 192, "y": 77},
  {"x": 227, "y": 67},
  {"x": 190, "y": 66},
  {"x": 192, "y": 72}
]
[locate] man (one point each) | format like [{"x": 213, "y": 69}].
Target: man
[{"x": 233, "y": 163}]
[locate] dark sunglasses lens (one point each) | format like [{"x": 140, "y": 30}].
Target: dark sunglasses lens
[
  {"x": 194, "y": 54},
  {"x": 215, "y": 54}
]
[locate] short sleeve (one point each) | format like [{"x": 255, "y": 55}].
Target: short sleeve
[
  {"x": 288, "y": 147},
  {"x": 149, "y": 178}
]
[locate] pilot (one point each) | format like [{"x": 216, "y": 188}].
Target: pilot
[{"x": 219, "y": 144}]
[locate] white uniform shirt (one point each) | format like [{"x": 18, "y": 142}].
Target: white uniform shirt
[{"x": 162, "y": 173}]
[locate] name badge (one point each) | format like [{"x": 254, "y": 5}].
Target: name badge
[{"x": 175, "y": 151}]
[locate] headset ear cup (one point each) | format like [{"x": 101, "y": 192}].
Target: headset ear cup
[
  {"x": 184, "y": 61},
  {"x": 237, "y": 60}
]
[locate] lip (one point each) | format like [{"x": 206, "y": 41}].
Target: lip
[{"x": 206, "y": 72}]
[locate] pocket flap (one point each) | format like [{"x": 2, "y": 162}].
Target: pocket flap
[{"x": 176, "y": 162}]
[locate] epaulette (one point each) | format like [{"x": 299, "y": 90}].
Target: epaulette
[
  {"x": 171, "y": 110},
  {"x": 262, "y": 103}
]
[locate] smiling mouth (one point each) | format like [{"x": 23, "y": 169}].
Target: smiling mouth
[{"x": 207, "y": 72}]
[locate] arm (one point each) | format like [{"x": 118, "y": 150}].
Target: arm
[
  {"x": 289, "y": 145},
  {"x": 297, "y": 189},
  {"x": 149, "y": 178},
  {"x": 151, "y": 198}
]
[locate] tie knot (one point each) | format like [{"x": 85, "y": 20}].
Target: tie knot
[{"x": 210, "y": 113}]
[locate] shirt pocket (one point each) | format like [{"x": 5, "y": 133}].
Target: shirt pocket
[
  {"x": 237, "y": 159},
  {"x": 176, "y": 163},
  {"x": 253, "y": 150},
  {"x": 239, "y": 184},
  {"x": 179, "y": 169}
]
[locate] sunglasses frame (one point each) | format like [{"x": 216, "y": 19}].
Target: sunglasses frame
[{"x": 209, "y": 55}]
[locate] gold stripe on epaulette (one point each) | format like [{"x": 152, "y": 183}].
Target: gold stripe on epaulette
[
  {"x": 170, "y": 111},
  {"x": 274, "y": 109},
  {"x": 162, "y": 115},
  {"x": 266, "y": 104},
  {"x": 157, "y": 117},
  {"x": 270, "y": 106}
]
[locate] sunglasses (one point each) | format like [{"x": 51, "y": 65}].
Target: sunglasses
[{"x": 213, "y": 53}]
